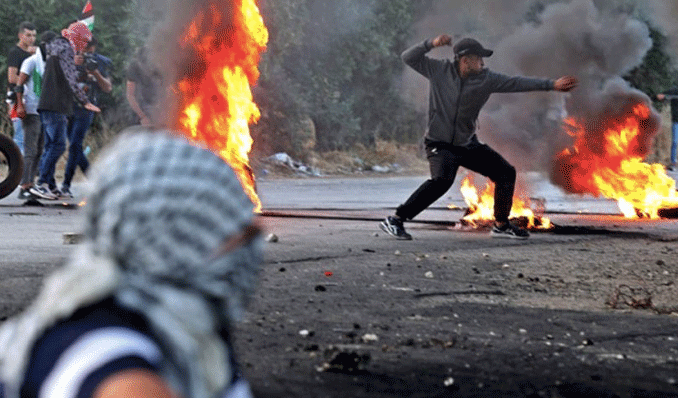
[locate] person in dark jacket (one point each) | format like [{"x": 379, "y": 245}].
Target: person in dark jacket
[
  {"x": 94, "y": 77},
  {"x": 672, "y": 95},
  {"x": 59, "y": 89},
  {"x": 458, "y": 91}
]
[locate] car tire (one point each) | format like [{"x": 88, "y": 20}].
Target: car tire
[{"x": 15, "y": 164}]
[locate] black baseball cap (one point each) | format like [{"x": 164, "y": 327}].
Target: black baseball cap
[{"x": 468, "y": 46}]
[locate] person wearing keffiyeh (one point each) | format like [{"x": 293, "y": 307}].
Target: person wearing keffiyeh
[
  {"x": 59, "y": 90},
  {"x": 146, "y": 304}
]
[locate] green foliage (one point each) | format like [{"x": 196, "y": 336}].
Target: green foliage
[
  {"x": 337, "y": 63},
  {"x": 331, "y": 70},
  {"x": 656, "y": 74}
]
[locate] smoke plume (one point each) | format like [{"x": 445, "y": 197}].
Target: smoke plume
[
  {"x": 665, "y": 14},
  {"x": 597, "y": 41}
]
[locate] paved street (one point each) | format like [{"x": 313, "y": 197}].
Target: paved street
[{"x": 343, "y": 310}]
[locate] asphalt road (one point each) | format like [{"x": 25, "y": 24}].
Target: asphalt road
[{"x": 585, "y": 310}]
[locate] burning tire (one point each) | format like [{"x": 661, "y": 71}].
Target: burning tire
[{"x": 11, "y": 165}]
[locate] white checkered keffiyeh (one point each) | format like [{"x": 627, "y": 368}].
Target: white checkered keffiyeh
[{"x": 159, "y": 208}]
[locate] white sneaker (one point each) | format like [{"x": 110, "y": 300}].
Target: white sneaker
[{"x": 42, "y": 192}]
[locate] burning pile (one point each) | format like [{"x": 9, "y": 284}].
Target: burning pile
[
  {"x": 481, "y": 208},
  {"x": 607, "y": 160},
  {"x": 222, "y": 46}
]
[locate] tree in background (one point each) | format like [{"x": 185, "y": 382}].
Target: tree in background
[
  {"x": 329, "y": 79},
  {"x": 331, "y": 69},
  {"x": 657, "y": 73}
]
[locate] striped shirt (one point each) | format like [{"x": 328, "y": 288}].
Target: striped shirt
[{"x": 72, "y": 358}]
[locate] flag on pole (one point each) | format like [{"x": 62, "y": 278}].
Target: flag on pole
[{"x": 87, "y": 16}]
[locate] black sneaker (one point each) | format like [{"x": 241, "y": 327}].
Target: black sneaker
[
  {"x": 24, "y": 194},
  {"x": 393, "y": 226},
  {"x": 42, "y": 192},
  {"x": 55, "y": 191},
  {"x": 66, "y": 193},
  {"x": 509, "y": 231}
]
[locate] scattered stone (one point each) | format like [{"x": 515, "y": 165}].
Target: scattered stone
[
  {"x": 397, "y": 252},
  {"x": 304, "y": 333},
  {"x": 448, "y": 382},
  {"x": 429, "y": 275},
  {"x": 72, "y": 238},
  {"x": 369, "y": 338},
  {"x": 272, "y": 238},
  {"x": 587, "y": 342},
  {"x": 320, "y": 288},
  {"x": 661, "y": 262}
]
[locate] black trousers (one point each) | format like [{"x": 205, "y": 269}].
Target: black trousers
[{"x": 444, "y": 161}]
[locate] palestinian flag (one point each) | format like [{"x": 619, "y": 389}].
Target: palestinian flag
[{"x": 87, "y": 16}]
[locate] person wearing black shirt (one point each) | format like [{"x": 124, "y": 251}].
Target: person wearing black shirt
[{"x": 23, "y": 49}]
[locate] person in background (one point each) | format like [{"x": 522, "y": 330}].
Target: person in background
[
  {"x": 458, "y": 91},
  {"x": 17, "y": 54},
  {"x": 93, "y": 69},
  {"x": 28, "y": 90},
  {"x": 59, "y": 89},
  {"x": 142, "y": 88},
  {"x": 146, "y": 305},
  {"x": 672, "y": 96}
]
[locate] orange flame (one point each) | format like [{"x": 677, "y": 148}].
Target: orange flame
[
  {"x": 219, "y": 107},
  {"x": 614, "y": 168},
  {"x": 481, "y": 207}
]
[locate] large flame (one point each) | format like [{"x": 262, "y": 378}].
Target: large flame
[
  {"x": 481, "y": 206},
  {"x": 614, "y": 167},
  {"x": 218, "y": 106}
]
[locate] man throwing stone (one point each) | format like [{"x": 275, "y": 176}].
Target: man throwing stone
[{"x": 458, "y": 91}]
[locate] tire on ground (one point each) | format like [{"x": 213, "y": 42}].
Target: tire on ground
[{"x": 15, "y": 163}]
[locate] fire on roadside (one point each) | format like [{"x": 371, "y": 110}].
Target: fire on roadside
[
  {"x": 613, "y": 166},
  {"x": 481, "y": 207},
  {"x": 218, "y": 107}
]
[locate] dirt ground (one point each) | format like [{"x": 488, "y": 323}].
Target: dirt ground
[{"x": 344, "y": 311}]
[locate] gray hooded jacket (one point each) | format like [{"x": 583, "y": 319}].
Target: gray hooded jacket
[{"x": 454, "y": 103}]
